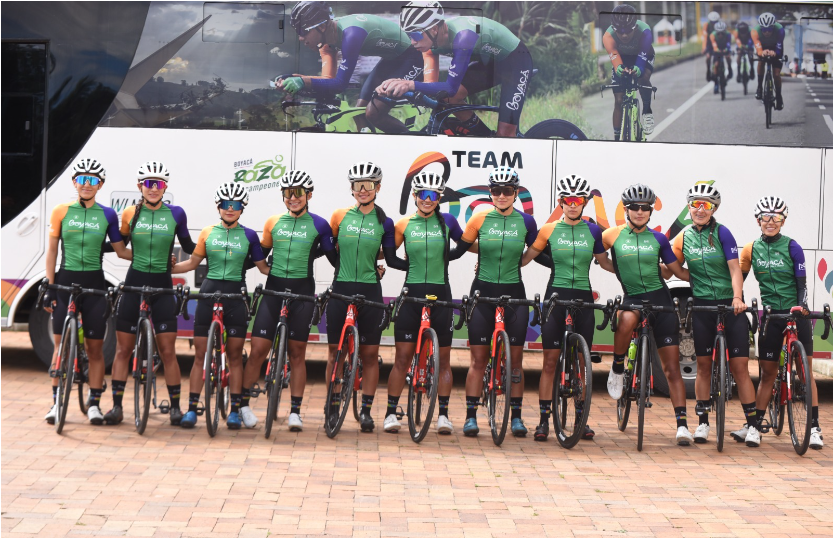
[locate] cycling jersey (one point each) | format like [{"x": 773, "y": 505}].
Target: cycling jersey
[
  {"x": 636, "y": 257},
  {"x": 773, "y": 42},
  {"x": 572, "y": 248},
  {"x": 153, "y": 236},
  {"x": 82, "y": 232},
  {"x": 709, "y": 27},
  {"x": 360, "y": 237},
  {"x": 426, "y": 245},
  {"x": 744, "y": 39},
  {"x": 721, "y": 42},
  {"x": 777, "y": 263},
  {"x": 294, "y": 242},
  {"x": 226, "y": 249},
  {"x": 501, "y": 241},
  {"x": 709, "y": 274},
  {"x": 640, "y": 46}
]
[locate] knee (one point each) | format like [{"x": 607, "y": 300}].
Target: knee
[{"x": 549, "y": 366}]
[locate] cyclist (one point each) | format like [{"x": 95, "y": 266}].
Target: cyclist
[
  {"x": 572, "y": 244},
  {"x": 778, "y": 263},
  {"x": 637, "y": 251},
  {"x": 721, "y": 41},
  {"x": 80, "y": 227},
  {"x": 711, "y": 255},
  {"x": 768, "y": 38},
  {"x": 501, "y": 233},
  {"x": 484, "y": 54},
  {"x": 629, "y": 45},
  {"x": 355, "y": 36},
  {"x": 745, "y": 47},
  {"x": 296, "y": 238},
  {"x": 361, "y": 231},
  {"x": 426, "y": 236},
  {"x": 226, "y": 247},
  {"x": 706, "y": 49},
  {"x": 151, "y": 226}
]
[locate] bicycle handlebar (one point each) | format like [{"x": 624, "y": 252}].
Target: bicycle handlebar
[
  {"x": 646, "y": 309},
  {"x": 357, "y": 300},
  {"x": 414, "y": 98},
  {"x": 403, "y": 298},
  {"x": 150, "y": 291},
  {"x": 720, "y": 309},
  {"x": 217, "y": 296},
  {"x": 553, "y": 300},
  {"x": 76, "y": 291},
  {"x": 504, "y": 301},
  {"x": 287, "y": 294},
  {"x": 796, "y": 313}
]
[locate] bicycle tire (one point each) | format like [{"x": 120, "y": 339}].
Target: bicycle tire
[
  {"x": 720, "y": 362},
  {"x": 576, "y": 372},
  {"x": 775, "y": 408},
  {"x": 275, "y": 380},
  {"x": 349, "y": 354},
  {"x": 800, "y": 403},
  {"x": 84, "y": 380},
  {"x": 143, "y": 383},
  {"x": 69, "y": 352},
  {"x": 744, "y": 74},
  {"x": 357, "y": 385},
  {"x": 723, "y": 84},
  {"x": 554, "y": 128},
  {"x": 643, "y": 397},
  {"x": 213, "y": 382},
  {"x": 424, "y": 398},
  {"x": 498, "y": 405},
  {"x": 625, "y": 125}
]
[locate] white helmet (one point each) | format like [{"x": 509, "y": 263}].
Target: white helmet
[
  {"x": 153, "y": 169},
  {"x": 231, "y": 191},
  {"x": 704, "y": 191},
  {"x": 419, "y": 16},
  {"x": 365, "y": 170},
  {"x": 638, "y": 194},
  {"x": 771, "y": 204},
  {"x": 720, "y": 26},
  {"x": 713, "y": 16},
  {"x": 573, "y": 185},
  {"x": 296, "y": 178},
  {"x": 767, "y": 19},
  {"x": 89, "y": 166},
  {"x": 504, "y": 176},
  {"x": 431, "y": 181}
]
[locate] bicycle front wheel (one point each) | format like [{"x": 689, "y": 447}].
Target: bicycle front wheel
[
  {"x": 624, "y": 402},
  {"x": 66, "y": 371},
  {"x": 143, "y": 376},
  {"x": 555, "y": 129},
  {"x": 340, "y": 386},
  {"x": 498, "y": 396},
  {"x": 275, "y": 378},
  {"x": 82, "y": 380},
  {"x": 799, "y": 404},
  {"x": 719, "y": 389},
  {"x": 213, "y": 382},
  {"x": 571, "y": 392},
  {"x": 422, "y": 390},
  {"x": 643, "y": 397},
  {"x": 775, "y": 408}
]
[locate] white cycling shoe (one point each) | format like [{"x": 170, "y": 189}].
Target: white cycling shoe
[
  {"x": 444, "y": 426},
  {"x": 683, "y": 436},
  {"x": 753, "y": 438},
  {"x": 702, "y": 433},
  {"x": 648, "y": 123},
  {"x": 295, "y": 423},
  {"x": 53, "y": 413},
  {"x": 391, "y": 424},
  {"x": 816, "y": 438},
  {"x": 615, "y": 384},
  {"x": 94, "y": 415},
  {"x": 250, "y": 420}
]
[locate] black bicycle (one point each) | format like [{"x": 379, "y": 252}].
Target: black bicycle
[
  {"x": 719, "y": 67},
  {"x": 745, "y": 66},
  {"x": 631, "y": 130},
  {"x": 769, "y": 89}
]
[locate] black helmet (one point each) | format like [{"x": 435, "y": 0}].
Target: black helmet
[
  {"x": 624, "y": 17},
  {"x": 743, "y": 27},
  {"x": 308, "y": 15}
]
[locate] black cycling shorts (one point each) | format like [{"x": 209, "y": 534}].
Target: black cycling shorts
[
  {"x": 736, "y": 330},
  {"x": 163, "y": 307},
  {"x": 300, "y": 314},
  {"x": 628, "y": 61},
  {"x": 368, "y": 318},
  {"x": 512, "y": 73},
  {"x": 776, "y": 61},
  {"x": 665, "y": 326},
  {"x": 516, "y": 317},
  {"x": 93, "y": 309},
  {"x": 771, "y": 345},
  {"x": 554, "y": 330},
  {"x": 410, "y": 315},
  {"x": 234, "y": 311},
  {"x": 407, "y": 66}
]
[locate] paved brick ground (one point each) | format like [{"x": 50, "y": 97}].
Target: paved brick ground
[{"x": 173, "y": 482}]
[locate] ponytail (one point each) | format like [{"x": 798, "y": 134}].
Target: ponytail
[
  {"x": 136, "y": 211},
  {"x": 712, "y": 225},
  {"x": 380, "y": 214},
  {"x": 442, "y": 222}
]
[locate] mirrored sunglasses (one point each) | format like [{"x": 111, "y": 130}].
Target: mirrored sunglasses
[
  {"x": 84, "y": 180},
  {"x": 234, "y": 205},
  {"x": 155, "y": 184}
]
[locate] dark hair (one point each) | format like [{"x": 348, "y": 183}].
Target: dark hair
[
  {"x": 380, "y": 214},
  {"x": 136, "y": 212},
  {"x": 712, "y": 225}
]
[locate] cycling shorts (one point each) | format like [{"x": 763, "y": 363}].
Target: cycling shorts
[
  {"x": 407, "y": 66},
  {"x": 665, "y": 326},
  {"x": 554, "y": 330},
  {"x": 410, "y": 315},
  {"x": 234, "y": 310},
  {"x": 512, "y": 73},
  {"x": 93, "y": 309},
  {"x": 629, "y": 61},
  {"x": 368, "y": 318},
  {"x": 770, "y": 346},
  {"x": 299, "y": 316},
  {"x": 516, "y": 317},
  {"x": 736, "y": 330},
  {"x": 163, "y": 307}
]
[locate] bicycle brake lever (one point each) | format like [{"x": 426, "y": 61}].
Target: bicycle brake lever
[{"x": 754, "y": 310}]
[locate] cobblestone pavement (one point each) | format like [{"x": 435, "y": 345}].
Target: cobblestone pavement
[{"x": 174, "y": 482}]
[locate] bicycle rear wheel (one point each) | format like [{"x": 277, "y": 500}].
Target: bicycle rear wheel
[
  {"x": 643, "y": 397},
  {"x": 422, "y": 389},
  {"x": 799, "y": 405},
  {"x": 82, "y": 380},
  {"x": 624, "y": 402},
  {"x": 561, "y": 129},
  {"x": 143, "y": 376},
  {"x": 66, "y": 371},
  {"x": 340, "y": 386},
  {"x": 571, "y": 392},
  {"x": 498, "y": 399},
  {"x": 212, "y": 376},
  {"x": 719, "y": 389},
  {"x": 275, "y": 378}
]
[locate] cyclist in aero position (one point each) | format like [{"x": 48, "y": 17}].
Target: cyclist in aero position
[
  {"x": 706, "y": 49},
  {"x": 426, "y": 236},
  {"x": 294, "y": 238},
  {"x": 767, "y": 38},
  {"x": 637, "y": 252},
  {"x": 572, "y": 244},
  {"x": 151, "y": 226},
  {"x": 81, "y": 228},
  {"x": 778, "y": 263},
  {"x": 361, "y": 231},
  {"x": 711, "y": 255},
  {"x": 355, "y": 36},
  {"x": 721, "y": 41},
  {"x": 226, "y": 247},
  {"x": 629, "y": 45},
  {"x": 744, "y": 42},
  {"x": 482, "y": 58}
]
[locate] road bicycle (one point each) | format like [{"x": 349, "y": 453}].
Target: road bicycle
[
  {"x": 719, "y": 72},
  {"x": 333, "y": 115},
  {"x": 792, "y": 387},
  {"x": 745, "y": 67},
  {"x": 572, "y": 382},
  {"x": 720, "y": 381},
  {"x": 769, "y": 89},
  {"x": 630, "y": 128}
]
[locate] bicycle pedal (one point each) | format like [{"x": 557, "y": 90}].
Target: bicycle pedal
[
  {"x": 648, "y": 404},
  {"x": 701, "y": 410},
  {"x": 399, "y": 413},
  {"x": 201, "y": 409},
  {"x": 379, "y": 360},
  {"x": 55, "y": 373},
  {"x": 285, "y": 382},
  {"x": 164, "y": 407},
  {"x": 516, "y": 376},
  {"x": 256, "y": 390},
  {"x": 764, "y": 426},
  {"x": 408, "y": 379},
  {"x": 596, "y": 358}
]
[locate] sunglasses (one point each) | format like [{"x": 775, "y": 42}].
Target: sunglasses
[
  {"x": 573, "y": 201},
  {"x": 426, "y": 194},
  {"x": 507, "y": 191},
  {"x": 639, "y": 207},
  {"x": 624, "y": 32},
  {"x": 367, "y": 185},
  {"x": 297, "y": 192},
  {"x": 705, "y": 204},
  {"x": 774, "y": 217},
  {"x": 234, "y": 205},
  {"x": 84, "y": 180},
  {"x": 155, "y": 184},
  {"x": 415, "y": 36}
]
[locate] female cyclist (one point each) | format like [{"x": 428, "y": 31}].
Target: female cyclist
[
  {"x": 641, "y": 279},
  {"x": 782, "y": 289},
  {"x": 294, "y": 238},
  {"x": 572, "y": 244},
  {"x": 425, "y": 235},
  {"x": 81, "y": 228},
  {"x": 225, "y": 246},
  {"x": 711, "y": 256},
  {"x": 361, "y": 231},
  {"x": 151, "y": 226}
]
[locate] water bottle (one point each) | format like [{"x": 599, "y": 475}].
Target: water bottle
[
  {"x": 782, "y": 356},
  {"x": 632, "y": 354}
]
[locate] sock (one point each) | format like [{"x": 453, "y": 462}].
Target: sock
[
  {"x": 760, "y": 415},
  {"x": 118, "y": 392},
  {"x": 95, "y": 397},
  {"x": 580, "y": 407},
  {"x": 193, "y": 401},
  {"x": 444, "y": 406},
  {"x": 472, "y": 407},
  {"x": 703, "y": 419},
  {"x": 295, "y": 405},
  {"x": 815, "y": 416},
  {"x": 245, "y": 395},
  {"x": 174, "y": 396},
  {"x": 392, "y": 405},
  {"x": 235, "y": 403},
  {"x": 335, "y": 402},
  {"x": 54, "y": 394},
  {"x": 646, "y": 98},
  {"x": 680, "y": 416},
  {"x": 367, "y": 402},
  {"x": 515, "y": 407},
  {"x": 750, "y": 414},
  {"x": 619, "y": 364},
  {"x": 544, "y": 410},
  {"x": 617, "y": 134}
]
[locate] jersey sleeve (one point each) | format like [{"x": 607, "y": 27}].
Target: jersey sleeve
[
  {"x": 798, "y": 257},
  {"x": 388, "y": 233},
  {"x": 596, "y": 233},
  {"x": 610, "y": 235},
  {"x": 200, "y": 248},
  {"x": 462, "y": 47},
  {"x": 325, "y": 233},
  {"x": 666, "y": 253},
  {"x": 112, "y": 225},
  {"x": 745, "y": 260},
  {"x": 452, "y": 225},
  {"x": 183, "y": 235},
  {"x": 544, "y": 236},
  {"x": 58, "y": 214},
  {"x": 266, "y": 239},
  {"x": 352, "y": 39},
  {"x": 728, "y": 242},
  {"x": 336, "y": 221},
  {"x": 532, "y": 228},
  {"x": 645, "y": 48},
  {"x": 254, "y": 245},
  {"x": 677, "y": 246},
  {"x": 470, "y": 234},
  {"x": 399, "y": 231},
  {"x": 127, "y": 216}
]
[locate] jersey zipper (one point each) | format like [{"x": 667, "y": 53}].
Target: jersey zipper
[
  {"x": 358, "y": 243},
  {"x": 704, "y": 263},
  {"x": 639, "y": 266},
  {"x": 289, "y": 247},
  {"x": 501, "y": 252},
  {"x": 83, "y": 234},
  {"x": 770, "y": 273},
  {"x": 150, "y": 244},
  {"x": 573, "y": 261}
]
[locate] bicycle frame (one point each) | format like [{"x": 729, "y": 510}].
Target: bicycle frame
[
  {"x": 631, "y": 107},
  {"x": 350, "y": 321},
  {"x": 217, "y": 316}
]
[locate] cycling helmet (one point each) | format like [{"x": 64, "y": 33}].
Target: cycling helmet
[
  {"x": 296, "y": 178},
  {"x": 431, "y": 181},
  {"x": 573, "y": 185},
  {"x": 720, "y": 26},
  {"x": 231, "y": 191},
  {"x": 365, "y": 170},
  {"x": 771, "y": 204},
  {"x": 419, "y": 16},
  {"x": 713, "y": 16},
  {"x": 743, "y": 28},
  {"x": 766, "y": 20},
  {"x": 89, "y": 166},
  {"x": 624, "y": 17},
  {"x": 638, "y": 194},
  {"x": 704, "y": 191},
  {"x": 503, "y": 176},
  {"x": 153, "y": 169},
  {"x": 307, "y": 15}
]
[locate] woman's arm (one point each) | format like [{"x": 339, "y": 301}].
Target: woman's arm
[
  {"x": 738, "y": 285},
  {"x": 529, "y": 255},
  {"x": 189, "y": 265},
  {"x": 604, "y": 262},
  {"x": 262, "y": 266},
  {"x": 122, "y": 251}
]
